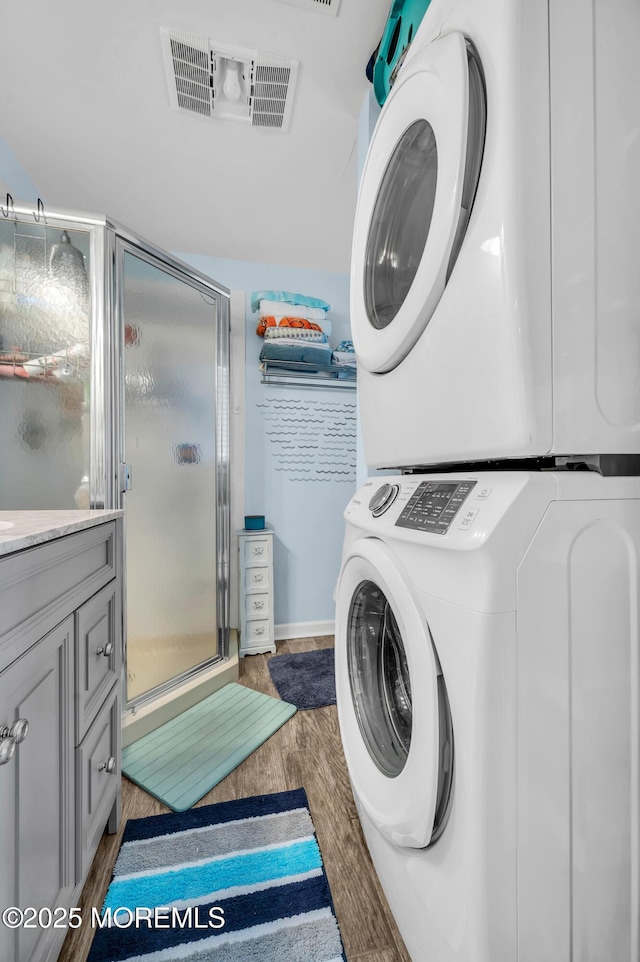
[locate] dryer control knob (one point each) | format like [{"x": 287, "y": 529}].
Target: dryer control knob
[{"x": 383, "y": 499}]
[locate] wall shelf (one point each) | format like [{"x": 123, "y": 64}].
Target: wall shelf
[{"x": 303, "y": 374}]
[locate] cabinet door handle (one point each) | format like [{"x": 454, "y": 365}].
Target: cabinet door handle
[
  {"x": 108, "y": 767},
  {"x": 7, "y": 748},
  {"x": 10, "y": 737},
  {"x": 105, "y": 650}
]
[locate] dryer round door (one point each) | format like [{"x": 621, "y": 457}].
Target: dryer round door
[
  {"x": 392, "y": 701},
  {"x": 417, "y": 191}
]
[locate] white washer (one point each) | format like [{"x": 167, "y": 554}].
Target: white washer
[
  {"x": 495, "y": 301},
  {"x": 487, "y": 678}
]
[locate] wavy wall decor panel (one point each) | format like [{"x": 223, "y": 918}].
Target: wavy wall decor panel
[{"x": 311, "y": 440}]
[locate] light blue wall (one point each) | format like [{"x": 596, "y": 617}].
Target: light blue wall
[{"x": 306, "y": 515}]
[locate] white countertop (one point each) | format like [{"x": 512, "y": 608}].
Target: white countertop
[{"x": 24, "y": 529}]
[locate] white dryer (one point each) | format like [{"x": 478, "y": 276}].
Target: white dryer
[
  {"x": 487, "y": 675},
  {"x": 495, "y": 294}
]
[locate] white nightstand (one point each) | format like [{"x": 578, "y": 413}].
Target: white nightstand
[{"x": 255, "y": 581}]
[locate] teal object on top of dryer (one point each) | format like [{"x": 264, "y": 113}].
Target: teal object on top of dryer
[{"x": 404, "y": 19}]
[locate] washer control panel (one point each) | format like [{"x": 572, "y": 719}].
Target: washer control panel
[{"x": 434, "y": 504}]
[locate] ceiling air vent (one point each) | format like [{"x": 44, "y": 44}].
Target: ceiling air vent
[
  {"x": 321, "y": 6},
  {"x": 228, "y": 83}
]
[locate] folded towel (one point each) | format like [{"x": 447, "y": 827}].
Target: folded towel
[
  {"x": 286, "y": 297},
  {"x": 345, "y": 346},
  {"x": 344, "y": 372},
  {"x": 295, "y": 321},
  {"x": 278, "y": 309},
  {"x": 344, "y": 358},
  {"x": 295, "y": 333},
  {"x": 296, "y": 351},
  {"x": 299, "y": 342}
]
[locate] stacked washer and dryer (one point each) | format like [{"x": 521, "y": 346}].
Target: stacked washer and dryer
[{"x": 487, "y": 656}]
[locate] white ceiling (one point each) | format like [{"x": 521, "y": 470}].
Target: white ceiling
[{"x": 84, "y": 105}]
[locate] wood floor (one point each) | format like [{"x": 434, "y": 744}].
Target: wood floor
[{"x": 306, "y": 752}]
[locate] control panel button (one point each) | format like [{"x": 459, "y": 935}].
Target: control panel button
[
  {"x": 483, "y": 494},
  {"x": 467, "y": 518}
]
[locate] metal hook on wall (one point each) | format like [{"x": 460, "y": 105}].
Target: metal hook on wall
[
  {"x": 40, "y": 213},
  {"x": 10, "y": 208}
]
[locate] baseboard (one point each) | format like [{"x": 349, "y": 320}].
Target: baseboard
[{"x": 304, "y": 629}]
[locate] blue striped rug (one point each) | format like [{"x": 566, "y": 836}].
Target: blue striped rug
[{"x": 239, "y": 881}]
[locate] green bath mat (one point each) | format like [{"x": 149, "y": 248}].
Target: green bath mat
[{"x": 182, "y": 760}]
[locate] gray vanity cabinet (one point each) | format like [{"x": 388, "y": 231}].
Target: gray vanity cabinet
[
  {"x": 37, "y": 789},
  {"x": 60, "y": 670}
]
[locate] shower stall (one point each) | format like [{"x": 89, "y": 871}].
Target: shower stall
[{"x": 114, "y": 393}]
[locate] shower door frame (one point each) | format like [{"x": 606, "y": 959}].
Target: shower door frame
[{"x": 120, "y": 241}]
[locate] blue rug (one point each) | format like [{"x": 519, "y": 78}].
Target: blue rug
[
  {"x": 239, "y": 881},
  {"x": 182, "y": 760},
  {"x": 306, "y": 679}
]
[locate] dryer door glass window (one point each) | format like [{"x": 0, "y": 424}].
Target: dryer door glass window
[
  {"x": 403, "y": 211},
  {"x": 379, "y": 678},
  {"x": 400, "y": 223}
]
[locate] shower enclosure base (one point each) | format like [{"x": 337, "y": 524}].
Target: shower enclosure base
[{"x": 153, "y": 714}]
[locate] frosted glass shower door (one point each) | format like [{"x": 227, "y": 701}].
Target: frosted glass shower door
[
  {"x": 45, "y": 362},
  {"x": 171, "y": 426}
]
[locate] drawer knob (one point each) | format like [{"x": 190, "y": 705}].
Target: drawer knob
[
  {"x": 10, "y": 737},
  {"x": 259, "y": 550},
  {"x": 105, "y": 650},
  {"x": 259, "y": 631},
  {"x": 108, "y": 767},
  {"x": 258, "y": 605}
]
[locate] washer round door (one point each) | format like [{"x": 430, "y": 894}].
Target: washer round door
[
  {"x": 416, "y": 195},
  {"x": 393, "y": 708}
]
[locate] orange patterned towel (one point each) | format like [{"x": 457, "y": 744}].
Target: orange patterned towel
[{"x": 270, "y": 321}]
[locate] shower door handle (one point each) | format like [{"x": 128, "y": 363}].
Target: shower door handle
[{"x": 125, "y": 477}]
